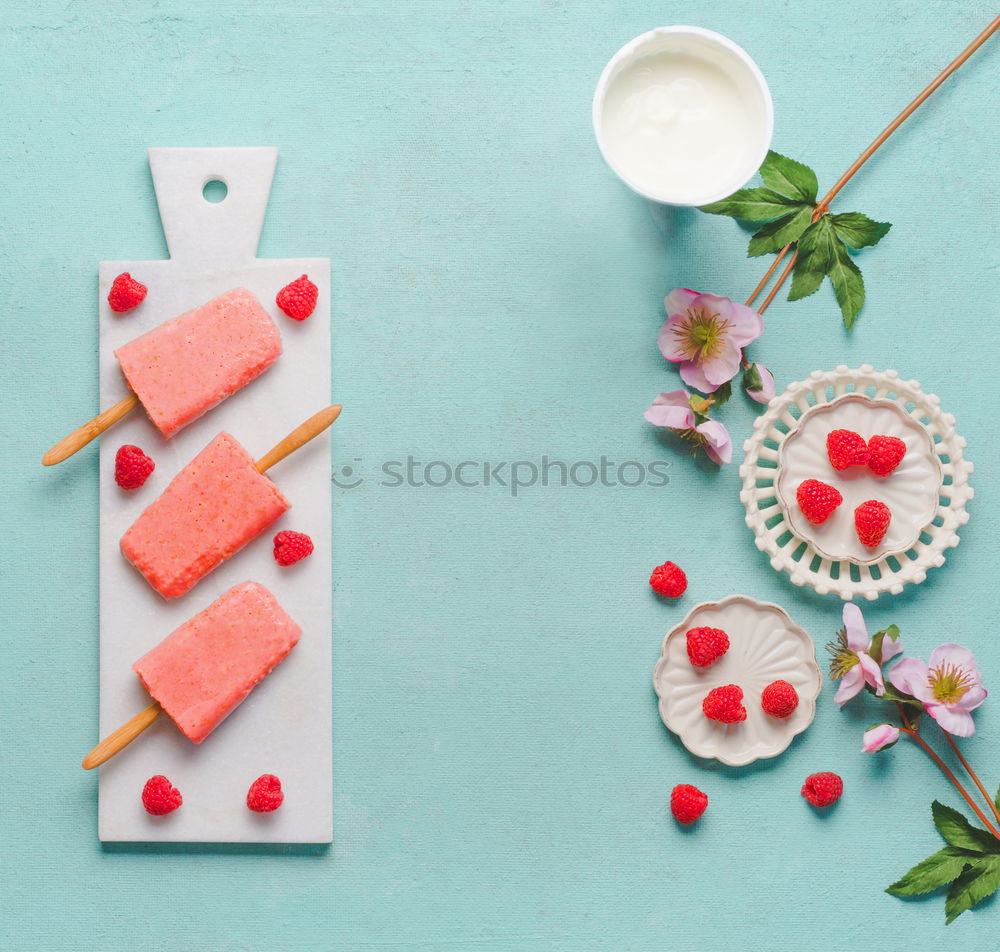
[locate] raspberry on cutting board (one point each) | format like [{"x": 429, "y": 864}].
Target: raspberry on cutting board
[
  {"x": 132, "y": 466},
  {"x": 160, "y": 796},
  {"x": 298, "y": 299},
  {"x": 126, "y": 293},
  {"x": 291, "y": 547},
  {"x": 265, "y": 794}
]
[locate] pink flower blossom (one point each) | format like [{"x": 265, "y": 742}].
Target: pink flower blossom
[
  {"x": 673, "y": 411},
  {"x": 949, "y": 687},
  {"x": 766, "y": 392},
  {"x": 879, "y": 737},
  {"x": 706, "y": 334},
  {"x": 852, "y": 661}
]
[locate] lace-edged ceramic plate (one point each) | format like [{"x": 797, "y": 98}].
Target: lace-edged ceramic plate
[
  {"x": 927, "y": 493},
  {"x": 765, "y": 645}
]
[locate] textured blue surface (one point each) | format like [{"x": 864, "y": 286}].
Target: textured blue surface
[{"x": 501, "y": 775}]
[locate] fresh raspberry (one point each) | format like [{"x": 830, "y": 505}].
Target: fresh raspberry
[
  {"x": 846, "y": 448},
  {"x": 871, "y": 520},
  {"x": 264, "y": 795},
  {"x": 126, "y": 293},
  {"x": 706, "y": 645},
  {"x": 291, "y": 547},
  {"x": 687, "y": 803},
  {"x": 779, "y": 699},
  {"x": 817, "y": 500},
  {"x": 884, "y": 454},
  {"x": 723, "y": 704},
  {"x": 298, "y": 299},
  {"x": 668, "y": 579},
  {"x": 132, "y": 467},
  {"x": 822, "y": 789},
  {"x": 160, "y": 796}
]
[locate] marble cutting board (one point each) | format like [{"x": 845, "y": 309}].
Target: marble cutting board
[{"x": 284, "y": 726}]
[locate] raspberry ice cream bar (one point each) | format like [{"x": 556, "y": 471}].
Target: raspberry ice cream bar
[
  {"x": 189, "y": 364},
  {"x": 211, "y": 509},
  {"x": 202, "y": 671}
]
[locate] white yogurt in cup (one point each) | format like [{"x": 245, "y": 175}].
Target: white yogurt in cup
[{"x": 683, "y": 115}]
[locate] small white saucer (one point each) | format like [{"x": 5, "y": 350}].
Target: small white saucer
[
  {"x": 765, "y": 645},
  {"x": 910, "y": 491}
]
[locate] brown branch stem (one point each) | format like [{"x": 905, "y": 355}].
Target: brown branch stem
[
  {"x": 972, "y": 774},
  {"x": 824, "y": 204},
  {"x": 913, "y": 732}
]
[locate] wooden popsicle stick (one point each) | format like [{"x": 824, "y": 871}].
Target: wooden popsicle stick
[
  {"x": 81, "y": 436},
  {"x": 122, "y": 737},
  {"x": 301, "y": 435}
]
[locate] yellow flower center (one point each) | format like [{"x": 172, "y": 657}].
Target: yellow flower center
[
  {"x": 700, "y": 334},
  {"x": 949, "y": 683},
  {"x": 842, "y": 658}
]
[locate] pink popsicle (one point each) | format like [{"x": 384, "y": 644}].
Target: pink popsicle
[
  {"x": 187, "y": 365},
  {"x": 205, "y": 668},
  {"x": 211, "y": 509}
]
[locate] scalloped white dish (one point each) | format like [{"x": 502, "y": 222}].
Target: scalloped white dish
[
  {"x": 765, "y": 645},
  {"x": 911, "y": 491}
]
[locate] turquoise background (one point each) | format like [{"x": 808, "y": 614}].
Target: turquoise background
[{"x": 501, "y": 775}]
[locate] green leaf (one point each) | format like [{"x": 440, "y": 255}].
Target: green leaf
[
  {"x": 859, "y": 231},
  {"x": 815, "y": 254},
  {"x": 752, "y": 380},
  {"x": 773, "y": 236},
  {"x": 848, "y": 285},
  {"x": 753, "y": 204},
  {"x": 891, "y": 694},
  {"x": 958, "y": 831},
  {"x": 723, "y": 393},
  {"x": 939, "y": 869},
  {"x": 892, "y": 633},
  {"x": 978, "y": 882},
  {"x": 789, "y": 177}
]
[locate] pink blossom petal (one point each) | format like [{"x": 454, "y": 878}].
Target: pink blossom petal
[
  {"x": 672, "y": 344},
  {"x": 954, "y": 655},
  {"x": 723, "y": 366},
  {"x": 872, "y": 672},
  {"x": 972, "y": 698},
  {"x": 952, "y": 720},
  {"x": 891, "y": 648},
  {"x": 694, "y": 376},
  {"x": 745, "y": 324},
  {"x": 910, "y": 677},
  {"x": 679, "y": 300},
  {"x": 766, "y": 392},
  {"x": 850, "y": 685},
  {"x": 854, "y": 623},
  {"x": 671, "y": 410},
  {"x": 719, "y": 446},
  {"x": 880, "y": 736}
]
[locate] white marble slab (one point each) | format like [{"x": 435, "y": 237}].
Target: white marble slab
[{"x": 284, "y": 726}]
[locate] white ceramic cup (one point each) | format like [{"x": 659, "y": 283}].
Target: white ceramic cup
[{"x": 720, "y": 52}]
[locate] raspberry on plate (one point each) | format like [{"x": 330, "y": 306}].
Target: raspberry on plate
[
  {"x": 265, "y": 794},
  {"x": 846, "y": 448},
  {"x": 160, "y": 796},
  {"x": 724, "y": 704},
  {"x": 291, "y": 547},
  {"x": 132, "y": 466},
  {"x": 871, "y": 520},
  {"x": 669, "y": 580},
  {"x": 706, "y": 645},
  {"x": 817, "y": 500},
  {"x": 298, "y": 299},
  {"x": 885, "y": 453},
  {"x": 822, "y": 789},
  {"x": 126, "y": 293},
  {"x": 687, "y": 803},
  {"x": 779, "y": 699}
]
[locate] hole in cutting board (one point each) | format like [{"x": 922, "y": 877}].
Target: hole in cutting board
[{"x": 215, "y": 191}]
